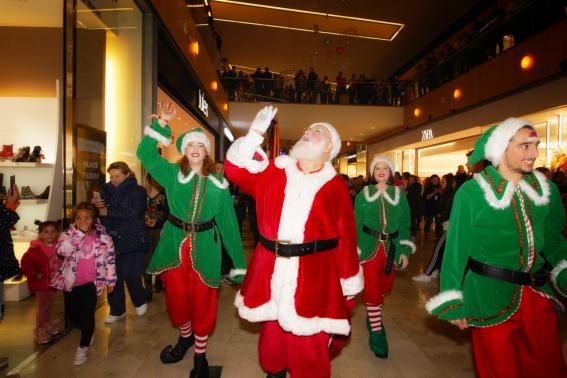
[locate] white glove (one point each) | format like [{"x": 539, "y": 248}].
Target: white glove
[{"x": 263, "y": 119}]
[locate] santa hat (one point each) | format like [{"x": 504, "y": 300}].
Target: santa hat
[
  {"x": 195, "y": 135},
  {"x": 382, "y": 159},
  {"x": 493, "y": 143},
  {"x": 335, "y": 138}
]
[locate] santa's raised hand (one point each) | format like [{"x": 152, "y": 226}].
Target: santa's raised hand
[{"x": 263, "y": 119}]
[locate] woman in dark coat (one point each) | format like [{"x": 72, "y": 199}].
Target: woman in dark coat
[
  {"x": 122, "y": 209},
  {"x": 9, "y": 266},
  {"x": 432, "y": 205}
]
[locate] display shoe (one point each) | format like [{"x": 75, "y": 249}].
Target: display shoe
[
  {"x": 22, "y": 155},
  {"x": 26, "y": 193},
  {"x": 171, "y": 355},
  {"x": 378, "y": 341},
  {"x": 7, "y": 151},
  {"x": 36, "y": 156},
  {"x": 81, "y": 356},
  {"x": 44, "y": 194},
  {"x": 279, "y": 374},
  {"x": 200, "y": 367}
]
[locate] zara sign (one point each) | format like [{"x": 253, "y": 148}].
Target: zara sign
[
  {"x": 426, "y": 134},
  {"x": 203, "y": 105}
]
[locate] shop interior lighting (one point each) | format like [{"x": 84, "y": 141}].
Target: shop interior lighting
[
  {"x": 302, "y": 11},
  {"x": 438, "y": 146},
  {"x": 228, "y": 134},
  {"x": 527, "y": 62}
]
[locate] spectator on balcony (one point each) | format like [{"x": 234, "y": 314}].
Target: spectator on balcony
[
  {"x": 341, "y": 87},
  {"x": 257, "y": 78},
  {"x": 241, "y": 85},
  {"x": 289, "y": 93},
  {"x": 278, "y": 85},
  {"x": 232, "y": 83},
  {"x": 312, "y": 89},
  {"x": 325, "y": 91},
  {"x": 267, "y": 84},
  {"x": 299, "y": 85},
  {"x": 352, "y": 88}
]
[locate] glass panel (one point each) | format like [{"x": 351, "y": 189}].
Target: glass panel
[
  {"x": 444, "y": 158},
  {"x": 541, "y": 129}
]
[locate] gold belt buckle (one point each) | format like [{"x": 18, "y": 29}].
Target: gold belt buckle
[
  {"x": 385, "y": 236},
  {"x": 282, "y": 242},
  {"x": 188, "y": 226}
]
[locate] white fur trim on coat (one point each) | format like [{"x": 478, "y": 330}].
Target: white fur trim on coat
[
  {"x": 223, "y": 184},
  {"x": 555, "y": 272},
  {"x": 156, "y": 136},
  {"x": 498, "y": 142},
  {"x": 443, "y": 297},
  {"x": 246, "y": 159},
  {"x": 185, "y": 179},
  {"x": 237, "y": 272},
  {"x": 353, "y": 285},
  {"x": 410, "y": 244},
  {"x": 300, "y": 191},
  {"x": 378, "y": 193},
  {"x": 504, "y": 202}
]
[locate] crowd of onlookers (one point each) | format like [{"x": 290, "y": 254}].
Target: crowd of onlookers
[{"x": 309, "y": 88}]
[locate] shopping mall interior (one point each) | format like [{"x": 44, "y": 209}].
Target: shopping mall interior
[{"x": 417, "y": 82}]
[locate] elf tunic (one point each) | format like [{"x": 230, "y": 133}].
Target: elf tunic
[
  {"x": 503, "y": 225},
  {"x": 306, "y": 294},
  {"x": 377, "y": 209},
  {"x": 192, "y": 198}
]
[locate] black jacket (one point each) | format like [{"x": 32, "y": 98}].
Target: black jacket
[
  {"x": 125, "y": 220},
  {"x": 8, "y": 263}
]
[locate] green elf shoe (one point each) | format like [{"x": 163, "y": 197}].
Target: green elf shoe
[{"x": 377, "y": 340}]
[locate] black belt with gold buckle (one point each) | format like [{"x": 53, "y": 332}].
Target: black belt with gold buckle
[
  {"x": 380, "y": 235},
  {"x": 190, "y": 226},
  {"x": 285, "y": 249},
  {"x": 535, "y": 279}
]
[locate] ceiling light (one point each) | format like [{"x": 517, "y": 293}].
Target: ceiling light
[{"x": 104, "y": 10}]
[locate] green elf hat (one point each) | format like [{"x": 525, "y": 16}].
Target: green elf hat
[
  {"x": 493, "y": 143},
  {"x": 195, "y": 135}
]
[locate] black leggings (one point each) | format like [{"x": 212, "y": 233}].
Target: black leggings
[{"x": 82, "y": 305}]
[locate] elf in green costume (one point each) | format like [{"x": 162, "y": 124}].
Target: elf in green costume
[
  {"x": 383, "y": 238},
  {"x": 504, "y": 242},
  {"x": 188, "y": 255}
]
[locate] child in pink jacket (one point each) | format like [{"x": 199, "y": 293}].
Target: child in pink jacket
[
  {"x": 88, "y": 267},
  {"x": 39, "y": 264}
]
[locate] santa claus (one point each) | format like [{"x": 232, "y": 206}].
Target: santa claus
[{"x": 305, "y": 269}]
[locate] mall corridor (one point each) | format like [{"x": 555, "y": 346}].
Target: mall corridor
[{"x": 420, "y": 346}]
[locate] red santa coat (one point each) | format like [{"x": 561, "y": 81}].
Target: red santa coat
[{"x": 306, "y": 295}]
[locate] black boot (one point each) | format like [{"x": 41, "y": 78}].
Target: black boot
[
  {"x": 201, "y": 367},
  {"x": 279, "y": 374},
  {"x": 171, "y": 355},
  {"x": 36, "y": 155}
]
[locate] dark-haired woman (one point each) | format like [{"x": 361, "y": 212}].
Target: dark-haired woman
[
  {"x": 188, "y": 255},
  {"x": 122, "y": 206},
  {"x": 383, "y": 237}
]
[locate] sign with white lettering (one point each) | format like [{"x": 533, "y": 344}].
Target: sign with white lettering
[
  {"x": 203, "y": 104},
  {"x": 426, "y": 134}
]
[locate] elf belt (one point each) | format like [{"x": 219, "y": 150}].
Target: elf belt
[
  {"x": 284, "y": 249},
  {"x": 535, "y": 279},
  {"x": 189, "y": 226},
  {"x": 391, "y": 250}
]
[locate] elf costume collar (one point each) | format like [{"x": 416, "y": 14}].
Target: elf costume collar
[
  {"x": 371, "y": 193},
  {"x": 498, "y": 192},
  {"x": 219, "y": 181}
]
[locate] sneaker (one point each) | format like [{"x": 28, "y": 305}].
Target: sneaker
[
  {"x": 42, "y": 339},
  {"x": 421, "y": 278},
  {"x": 141, "y": 310},
  {"x": 81, "y": 356},
  {"x": 435, "y": 274},
  {"x": 114, "y": 318}
]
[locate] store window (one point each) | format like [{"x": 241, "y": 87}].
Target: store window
[
  {"x": 107, "y": 96},
  {"x": 408, "y": 161},
  {"x": 443, "y": 158},
  {"x": 31, "y": 79}
]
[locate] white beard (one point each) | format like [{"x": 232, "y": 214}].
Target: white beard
[{"x": 307, "y": 150}]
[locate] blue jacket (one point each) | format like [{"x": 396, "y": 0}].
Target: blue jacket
[{"x": 125, "y": 220}]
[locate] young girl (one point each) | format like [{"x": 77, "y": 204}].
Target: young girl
[
  {"x": 88, "y": 267},
  {"x": 39, "y": 264},
  {"x": 383, "y": 235}
]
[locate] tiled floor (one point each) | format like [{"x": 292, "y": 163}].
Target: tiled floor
[{"x": 420, "y": 346}]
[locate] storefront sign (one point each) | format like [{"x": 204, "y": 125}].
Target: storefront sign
[
  {"x": 426, "y": 134},
  {"x": 203, "y": 104}
]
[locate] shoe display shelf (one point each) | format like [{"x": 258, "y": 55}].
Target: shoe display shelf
[{"x": 32, "y": 121}]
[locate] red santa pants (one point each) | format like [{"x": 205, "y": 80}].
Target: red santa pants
[
  {"x": 304, "y": 356},
  {"x": 189, "y": 299},
  {"x": 376, "y": 283},
  {"x": 526, "y": 345}
]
